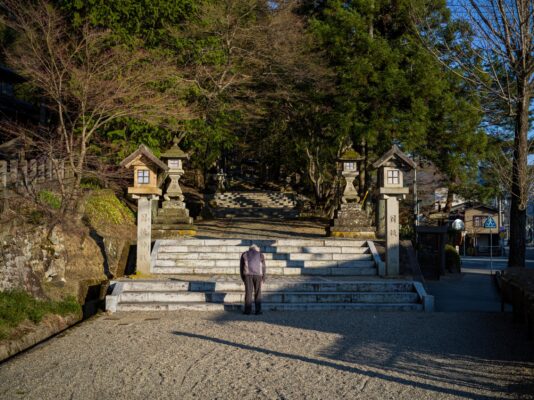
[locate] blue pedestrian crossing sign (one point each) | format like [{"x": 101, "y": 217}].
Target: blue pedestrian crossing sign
[{"x": 489, "y": 223}]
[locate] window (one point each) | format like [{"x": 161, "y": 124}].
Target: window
[
  {"x": 478, "y": 221},
  {"x": 174, "y": 164},
  {"x": 350, "y": 166},
  {"x": 143, "y": 176},
  {"x": 393, "y": 177}
]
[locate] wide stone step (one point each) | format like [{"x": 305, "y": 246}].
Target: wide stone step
[
  {"x": 264, "y": 249},
  {"x": 270, "y": 307},
  {"x": 270, "y": 286},
  {"x": 270, "y": 297},
  {"x": 287, "y": 271},
  {"x": 265, "y": 242},
  {"x": 268, "y": 256},
  {"x": 193, "y": 306},
  {"x": 271, "y": 263}
]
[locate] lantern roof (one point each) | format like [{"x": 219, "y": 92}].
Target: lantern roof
[
  {"x": 350, "y": 155},
  {"x": 395, "y": 153},
  {"x": 149, "y": 157},
  {"x": 175, "y": 151}
]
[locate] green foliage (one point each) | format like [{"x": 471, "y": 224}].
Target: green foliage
[
  {"x": 131, "y": 19},
  {"x": 50, "y": 199},
  {"x": 17, "y": 306},
  {"x": 91, "y": 183},
  {"x": 452, "y": 259},
  {"x": 384, "y": 76},
  {"x": 406, "y": 232},
  {"x": 36, "y": 217},
  {"x": 124, "y": 135},
  {"x": 102, "y": 207}
]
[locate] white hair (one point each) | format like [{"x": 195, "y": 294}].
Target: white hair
[{"x": 254, "y": 247}]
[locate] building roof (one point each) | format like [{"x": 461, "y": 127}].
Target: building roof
[
  {"x": 145, "y": 152},
  {"x": 394, "y": 152},
  {"x": 470, "y": 205}
]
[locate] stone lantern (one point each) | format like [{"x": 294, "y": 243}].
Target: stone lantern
[
  {"x": 174, "y": 157},
  {"x": 391, "y": 168},
  {"x": 348, "y": 163},
  {"x": 146, "y": 168},
  {"x": 350, "y": 220},
  {"x": 173, "y": 217}
]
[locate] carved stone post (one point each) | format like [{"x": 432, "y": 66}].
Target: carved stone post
[
  {"x": 146, "y": 167},
  {"x": 391, "y": 167}
]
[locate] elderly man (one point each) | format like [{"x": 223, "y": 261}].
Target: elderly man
[{"x": 253, "y": 270}]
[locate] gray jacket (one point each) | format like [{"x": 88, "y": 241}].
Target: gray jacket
[{"x": 253, "y": 262}]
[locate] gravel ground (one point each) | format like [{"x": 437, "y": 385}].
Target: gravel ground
[
  {"x": 312, "y": 355},
  {"x": 251, "y": 228}
]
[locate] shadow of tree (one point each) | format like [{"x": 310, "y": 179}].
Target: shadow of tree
[{"x": 453, "y": 354}]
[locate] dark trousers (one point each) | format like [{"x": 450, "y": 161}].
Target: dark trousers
[{"x": 252, "y": 287}]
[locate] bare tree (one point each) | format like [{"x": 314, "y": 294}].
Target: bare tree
[
  {"x": 500, "y": 63},
  {"x": 86, "y": 81}
]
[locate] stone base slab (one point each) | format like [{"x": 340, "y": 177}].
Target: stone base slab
[{"x": 353, "y": 234}]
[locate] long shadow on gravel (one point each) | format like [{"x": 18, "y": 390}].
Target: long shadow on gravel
[{"x": 471, "y": 351}]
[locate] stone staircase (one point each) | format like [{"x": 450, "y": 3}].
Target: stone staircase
[
  {"x": 278, "y": 295},
  {"x": 324, "y": 257},
  {"x": 253, "y": 205},
  {"x": 303, "y": 274}
]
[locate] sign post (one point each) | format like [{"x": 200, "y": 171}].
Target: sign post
[{"x": 490, "y": 224}]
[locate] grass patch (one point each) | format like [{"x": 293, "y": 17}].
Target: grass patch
[
  {"x": 104, "y": 208},
  {"x": 17, "y": 306},
  {"x": 49, "y": 198}
]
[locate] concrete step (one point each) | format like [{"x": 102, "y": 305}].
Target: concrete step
[
  {"x": 270, "y": 286},
  {"x": 264, "y": 249},
  {"x": 289, "y": 271},
  {"x": 270, "y": 307},
  {"x": 193, "y": 306},
  {"x": 270, "y": 263},
  {"x": 265, "y": 242},
  {"x": 269, "y": 297},
  {"x": 268, "y": 256}
]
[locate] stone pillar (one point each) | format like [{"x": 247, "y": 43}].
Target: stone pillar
[
  {"x": 3, "y": 186},
  {"x": 381, "y": 218},
  {"x": 392, "y": 236},
  {"x": 144, "y": 228}
]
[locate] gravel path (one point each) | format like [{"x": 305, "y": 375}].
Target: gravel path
[{"x": 312, "y": 355}]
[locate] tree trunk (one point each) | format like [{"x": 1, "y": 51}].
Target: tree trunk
[
  {"x": 518, "y": 212},
  {"x": 450, "y": 199},
  {"x": 361, "y": 171}
]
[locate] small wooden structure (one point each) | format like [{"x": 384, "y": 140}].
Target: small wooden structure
[{"x": 146, "y": 168}]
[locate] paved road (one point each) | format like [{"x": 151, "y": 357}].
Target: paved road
[
  {"x": 465, "y": 292},
  {"x": 497, "y": 263},
  {"x": 312, "y": 355}
]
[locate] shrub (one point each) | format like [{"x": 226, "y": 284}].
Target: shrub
[
  {"x": 452, "y": 259},
  {"x": 406, "y": 232}
]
